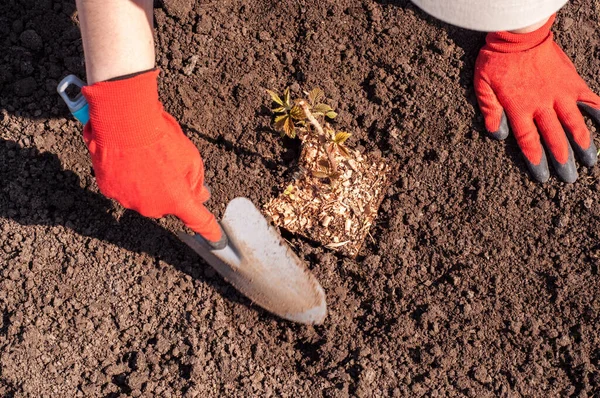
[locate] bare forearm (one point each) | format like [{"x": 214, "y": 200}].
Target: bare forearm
[{"x": 117, "y": 37}]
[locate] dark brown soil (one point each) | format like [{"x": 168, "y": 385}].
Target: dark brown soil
[{"x": 476, "y": 282}]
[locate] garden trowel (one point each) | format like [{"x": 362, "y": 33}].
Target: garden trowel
[{"x": 256, "y": 259}]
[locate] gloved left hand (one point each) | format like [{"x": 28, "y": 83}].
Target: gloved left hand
[{"x": 527, "y": 81}]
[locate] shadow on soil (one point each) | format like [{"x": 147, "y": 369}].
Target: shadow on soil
[
  {"x": 36, "y": 190},
  {"x": 470, "y": 42}
]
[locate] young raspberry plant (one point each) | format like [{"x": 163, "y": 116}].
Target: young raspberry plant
[{"x": 308, "y": 116}]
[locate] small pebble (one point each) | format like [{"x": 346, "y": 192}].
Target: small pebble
[
  {"x": 31, "y": 40},
  {"x": 17, "y": 26},
  {"x": 264, "y": 35},
  {"x": 25, "y": 87},
  {"x": 566, "y": 23}
]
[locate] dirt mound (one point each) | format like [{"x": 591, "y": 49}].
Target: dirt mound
[{"x": 474, "y": 281}]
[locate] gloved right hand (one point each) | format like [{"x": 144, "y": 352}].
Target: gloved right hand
[
  {"x": 141, "y": 157},
  {"x": 527, "y": 81}
]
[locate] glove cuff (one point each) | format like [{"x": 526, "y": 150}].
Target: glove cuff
[
  {"x": 125, "y": 112},
  {"x": 507, "y": 42}
]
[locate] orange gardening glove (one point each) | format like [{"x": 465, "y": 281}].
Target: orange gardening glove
[
  {"x": 528, "y": 79},
  {"x": 141, "y": 157}
]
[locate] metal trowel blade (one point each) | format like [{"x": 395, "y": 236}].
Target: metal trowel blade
[{"x": 259, "y": 263}]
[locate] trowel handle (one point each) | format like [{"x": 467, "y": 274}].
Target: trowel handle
[{"x": 78, "y": 106}]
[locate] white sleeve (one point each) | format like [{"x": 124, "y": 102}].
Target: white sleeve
[{"x": 491, "y": 15}]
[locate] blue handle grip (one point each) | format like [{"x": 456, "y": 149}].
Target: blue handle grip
[
  {"x": 82, "y": 114},
  {"x": 78, "y": 106}
]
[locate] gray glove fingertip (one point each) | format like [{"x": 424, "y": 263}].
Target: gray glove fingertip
[
  {"x": 221, "y": 243},
  {"x": 567, "y": 172},
  {"x": 593, "y": 112},
  {"x": 502, "y": 131},
  {"x": 588, "y": 157},
  {"x": 539, "y": 172}
]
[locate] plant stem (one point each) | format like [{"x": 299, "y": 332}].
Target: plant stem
[{"x": 321, "y": 133}]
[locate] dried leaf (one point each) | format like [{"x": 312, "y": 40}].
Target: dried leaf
[
  {"x": 320, "y": 174},
  {"x": 341, "y": 137},
  {"x": 335, "y": 176},
  {"x": 275, "y": 97},
  {"x": 331, "y": 115},
  {"x": 321, "y": 109},
  {"x": 343, "y": 151},
  {"x": 315, "y": 95},
  {"x": 279, "y": 109},
  {"x": 331, "y": 149},
  {"x": 323, "y": 164}
]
